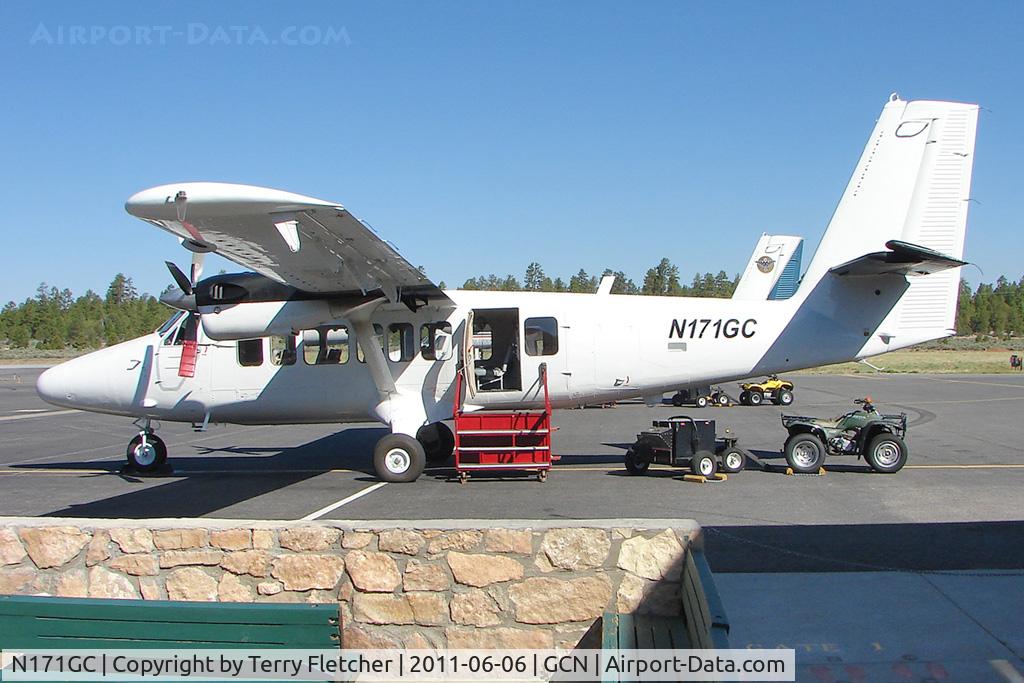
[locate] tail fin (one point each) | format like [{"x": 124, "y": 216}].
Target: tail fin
[
  {"x": 773, "y": 270},
  {"x": 911, "y": 186}
]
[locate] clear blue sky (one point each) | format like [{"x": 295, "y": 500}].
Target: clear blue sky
[{"x": 479, "y": 136}]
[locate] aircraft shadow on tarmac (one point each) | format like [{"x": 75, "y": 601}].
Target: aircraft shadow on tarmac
[
  {"x": 199, "y": 486},
  {"x": 908, "y": 547}
]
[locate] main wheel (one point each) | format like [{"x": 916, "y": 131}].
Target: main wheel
[
  {"x": 784, "y": 398},
  {"x": 701, "y": 402},
  {"x": 148, "y": 457},
  {"x": 745, "y": 398},
  {"x": 438, "y": 442},
  {"x": 399, "y": 458},
  {"x": 636, "y": 463},
  {"x": 887, "y": 453},
  {"x": 703, "y": 464},
  {"x": 805, "y": 453},
  {"x": 755, "y": 398},
  {"x": 733, "y": 460}
]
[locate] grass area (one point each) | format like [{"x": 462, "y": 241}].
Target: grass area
[
  {"x": 38, "y": 356},
  {"x": 926, "y": 361}
]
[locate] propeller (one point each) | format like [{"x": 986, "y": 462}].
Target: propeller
[{"x": 185, "y": 300}]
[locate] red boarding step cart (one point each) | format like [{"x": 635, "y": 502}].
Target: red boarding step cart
[{"x": 491, "y": 440}]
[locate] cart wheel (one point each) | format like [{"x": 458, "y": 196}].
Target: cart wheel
[
  {"x": 634, "y": 464},
  {"x": 677, "y": 399},
  {"x": 722, "y": 399},
  {"x": 733, "y": 460},
  {"x": 702, "y": 401},
  {"x": 745, "y": 398},
  {"x": 463, "y": 477},
  {"x": 542, "y": 476},
  {"x": 755, "y": 398},
  {"x": 703, "y": 464}
]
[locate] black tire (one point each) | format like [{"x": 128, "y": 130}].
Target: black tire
[
  {"x": 755, "y": 398},
  {"x": 636, "y": 464},
  {"x": 805, "y": 453},
  {"x": 733, "y": 460},
  {"x": 677, "y": 399},
  {"x": 399, "y": 458},
  {"x": 745, "y": 398},
  {"x": 701, "y": 402},
  {"x": 147, "y": 459},
  {"x": 887, "y": 453},
  {"x": 438, "y": 442},
  {"x": 703, "y": 464},
  {"x": 722, "y": 399},
  {"x": 784, "y": 397}
]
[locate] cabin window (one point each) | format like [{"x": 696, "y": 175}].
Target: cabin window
[
  {"x": 378, "y": 337},
  {"x": 282, "y": 350},
  {"x": 325, "y": 346},
  {"x": 401, "y": 346},
  {"x": 541, "y": 336},
  {"x": 436, "y": 341},
  {"x": 250, "y": 352}
]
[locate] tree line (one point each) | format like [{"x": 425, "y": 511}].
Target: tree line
[
  {"x": 55, "y": 319},
  {"x": 661, "y": 280}
]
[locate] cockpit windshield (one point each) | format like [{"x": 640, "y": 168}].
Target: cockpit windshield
[{"x": 171, "y": 322}]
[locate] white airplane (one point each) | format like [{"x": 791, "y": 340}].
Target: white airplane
[{"x": 335, "y": 326}]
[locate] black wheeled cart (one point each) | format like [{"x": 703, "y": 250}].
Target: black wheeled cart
[{"x": 682, "y": 441}]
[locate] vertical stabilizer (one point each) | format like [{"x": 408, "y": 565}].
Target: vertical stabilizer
[
  {"x": 912, "y": 184},
  {"x": 773, "y": 270}
]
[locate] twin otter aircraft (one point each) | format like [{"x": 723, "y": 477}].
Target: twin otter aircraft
[{"x": 335, "y": 326}]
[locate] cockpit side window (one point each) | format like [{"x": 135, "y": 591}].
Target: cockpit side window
[
  {"x": 171, "y": 322},
  {"x": 250, "y": 353}
]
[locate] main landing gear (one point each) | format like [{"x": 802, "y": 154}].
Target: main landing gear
[
  {"x": 146, "y": 451},
  {"x": 400, "y": 458}
]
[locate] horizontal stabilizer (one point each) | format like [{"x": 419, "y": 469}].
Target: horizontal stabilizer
[{"x": 903, "y": 259}]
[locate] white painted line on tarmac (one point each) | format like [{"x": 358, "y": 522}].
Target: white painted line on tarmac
[
  {"x": 32, "y": 410},
  {"x": 974, "y": 381},
  {"x": 1006, "y": 670},
  {"x": 344, "y": 501},
  {"x": 48, "y": 413}
]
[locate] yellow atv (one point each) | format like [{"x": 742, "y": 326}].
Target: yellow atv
[{"x": 778, "y": 391}]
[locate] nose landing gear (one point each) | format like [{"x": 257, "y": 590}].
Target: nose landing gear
[{"x": 146, "y": 451}]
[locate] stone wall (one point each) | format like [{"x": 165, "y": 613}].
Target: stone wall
[{"x": 440, "y": 583}]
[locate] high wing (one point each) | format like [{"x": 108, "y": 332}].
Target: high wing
[{"x": 313, "y": 245}]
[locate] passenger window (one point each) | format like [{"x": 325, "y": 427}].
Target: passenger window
[
  {"x": 400, "y": 343},
  {"x": 282, "y": 350},
  {"x": 541, "y": 336},
  {"x": 325, "y": 346},
  {"x": 378, "y": 336},
  {"x": 250, "y": 352},
  {"x": 436, "y": 341}
]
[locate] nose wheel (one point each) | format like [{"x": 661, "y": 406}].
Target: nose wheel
[{"x": 146, "y": 452}]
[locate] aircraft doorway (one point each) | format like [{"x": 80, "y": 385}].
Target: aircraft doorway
[{"x": 492, "y": 355}]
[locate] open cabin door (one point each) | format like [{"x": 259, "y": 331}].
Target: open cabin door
[{"x": 468, "y": 370}]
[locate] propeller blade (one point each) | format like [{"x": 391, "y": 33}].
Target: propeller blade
[
  {"x": 180, "y": 278},
  {"x": 197, "y": 266}
]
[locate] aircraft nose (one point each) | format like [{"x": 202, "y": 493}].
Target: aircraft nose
[{"x": 54, "y": 386}]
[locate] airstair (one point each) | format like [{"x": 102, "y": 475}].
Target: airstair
[{"x": 498, "y": 441}]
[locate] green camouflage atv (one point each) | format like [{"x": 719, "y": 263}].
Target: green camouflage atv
[{"x": 862, "y": 432}]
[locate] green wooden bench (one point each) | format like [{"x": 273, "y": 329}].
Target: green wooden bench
[
  {"x": 54, "y": 623},
  {"x": 702, "y": 624}
]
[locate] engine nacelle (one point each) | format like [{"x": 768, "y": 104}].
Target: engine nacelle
[{"x": 266, "y": 318}]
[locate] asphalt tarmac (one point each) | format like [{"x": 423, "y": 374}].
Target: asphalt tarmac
[
  {"x": 917, "y": 575},
  {"x": 961, "y": 489}
]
